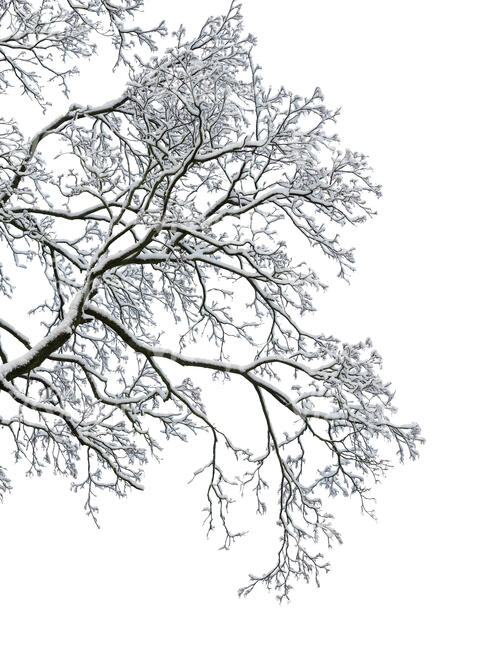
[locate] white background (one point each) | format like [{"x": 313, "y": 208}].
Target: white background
[{"x": 415, "y": 82}]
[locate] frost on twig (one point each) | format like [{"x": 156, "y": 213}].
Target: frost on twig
[{"x": 198, "y": 194}]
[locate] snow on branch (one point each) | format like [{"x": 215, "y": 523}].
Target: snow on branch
[
  {"x": 197, "y": 195},
  {"x": 40, "y": 40}
]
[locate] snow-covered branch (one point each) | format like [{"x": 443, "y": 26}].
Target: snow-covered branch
[
  {"x": 197, "y": 195},
  {"x": 40, "y": 39}
]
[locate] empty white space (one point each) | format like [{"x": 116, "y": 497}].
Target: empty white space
[{"x": 415, "y": 81}]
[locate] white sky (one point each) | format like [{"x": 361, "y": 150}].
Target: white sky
[{"x": 415, "y": 82}]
